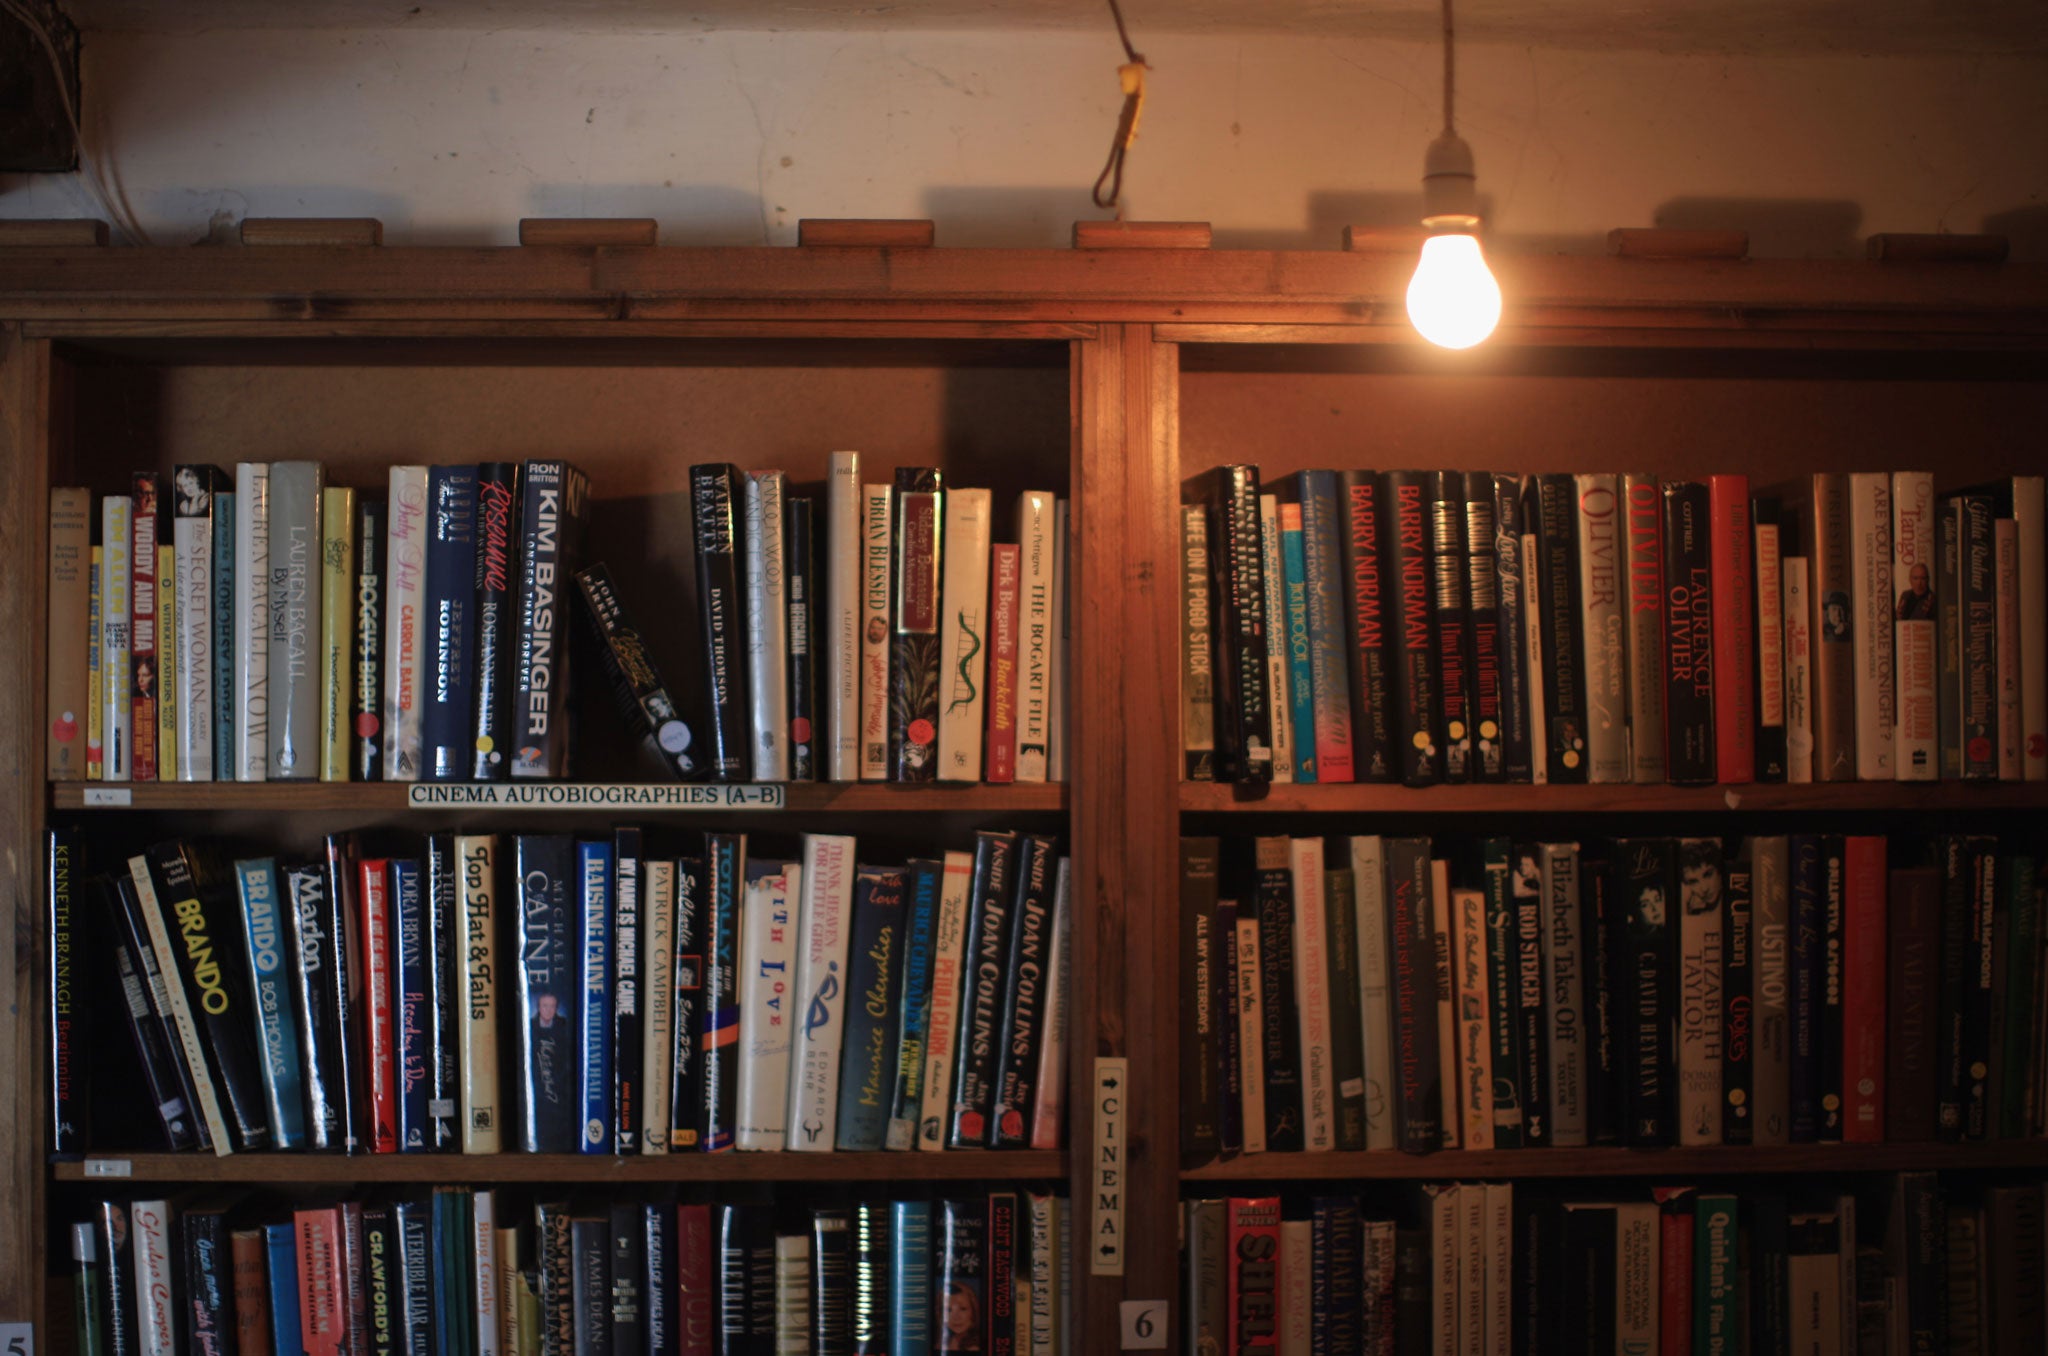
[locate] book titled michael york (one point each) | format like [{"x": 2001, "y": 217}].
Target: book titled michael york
[
  {"x": 496, "y": 620},
  {"x": 554, "y": 500},
  {"x": 917, "y": 521}
]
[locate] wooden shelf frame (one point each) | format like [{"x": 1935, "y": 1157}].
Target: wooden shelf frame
[
  {"x": 107, "y": 1170},
  {"x": 1844, "y": 798},
  {"x": 1667, "y": 1165},
  {"x": 361, "y": 798}
]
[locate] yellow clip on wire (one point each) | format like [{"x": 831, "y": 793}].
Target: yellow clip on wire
[{"x": 1131, "y": 75}]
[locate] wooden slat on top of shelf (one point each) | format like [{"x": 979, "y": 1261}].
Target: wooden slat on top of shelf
[
  {"x": 1847, "y": 797},
  {"x": 390, "y": 797},
  {"x": 302, "y": 1169},
  {"x": 1671, "y": 1164}
]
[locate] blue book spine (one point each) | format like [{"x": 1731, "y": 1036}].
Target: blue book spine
[
  {"x": 550, "y": 988},
  {"x": 415, "y": 1241},
  {"x": 282, "y": 1242},
  {"x": 1323, "y": 572},
  {"x": 409, "y": 971},
  {"x": 594, "y": 872},
  {"x": 911, "y": 1281},
  {"x": 276, "y": 1009},
  {"x": 874, "y": 975},
  {"x": 446, "y": 737},
  {"x": 1301, "y": 699},
  {"x": 727, "y": 865},
  {"x": 223, "y": 607},
  {"x": 926, "y": 876},
  {"x": 1808, "y": 922}
]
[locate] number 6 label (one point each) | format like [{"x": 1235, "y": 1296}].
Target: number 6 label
[{"x": 1144, "y": 1325}]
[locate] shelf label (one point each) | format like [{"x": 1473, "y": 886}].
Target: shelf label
[
  {"x": 1106, "y": 1244},
  {"x": 17, "y": 1339},
  {"x": 592, "y": 796},
  {"x": 109, "y": 1167},
  {"x": 1144, "y": 1324},
  {"x": 112, "y": 797}
]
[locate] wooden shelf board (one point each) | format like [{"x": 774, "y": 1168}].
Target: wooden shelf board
[
  {"x": 390, "y": 798},
  {"x": 1666, "y": 1164},
  {"x": 290, "y": 1169},
  {"x": 1912, "y": 797}
]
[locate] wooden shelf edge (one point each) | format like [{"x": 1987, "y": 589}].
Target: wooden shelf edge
[
  {"x": 1215, "y": 797},
  {"x": 289, "y": 1169},
  {"x": 1675, "y": 1164},
  {"x": 390, "y": 798}
]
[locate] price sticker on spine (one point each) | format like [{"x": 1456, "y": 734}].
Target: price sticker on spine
[{"x": 1106, "y": 1241}]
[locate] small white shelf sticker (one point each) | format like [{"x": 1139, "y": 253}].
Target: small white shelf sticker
[
  {"x": 1144, "y": 1324},
  {"x": 17, "y": 1339},
  {"x": 106, "y": 1167},
  {"x": 112, "y": 797},
  {"x": 1106, "y": 1241}
]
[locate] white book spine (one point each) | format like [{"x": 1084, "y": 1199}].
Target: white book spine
[
  {"x": 1770, "y": 908},
  {"x": 295, "y": 619},
  {"x": 1871, "y": 599},
  {"x": 1445, "y": 1259},
  {"x": 1475, "y": 1023},
  {"x": 2030, "y": 514},
  {"x": 1637, "y": 1278},
  {"x": 181, "y": 1010},
  {"x": 1916, "y": 740},
  {"x": 874, "y": 633},
  {"x": 1251, "y": 1035},
  {"x": 192, "y": 543},
  {"x": 1062, "y": 549},
  {"x": 1448, "y": 1064},
  {"x": 1034, "y": 633},
  {"x": 1312, "y": 993},
  {"x": 963, "y": 635},
  {"x": 1798, "y": 672},
  {"x": 1376, "y": 1013},
  {"x": 484, "y": 1236},
  {"x": 1606, "y": 629},
  {"x": 792, "y": 1295},
  {"x": 1500, "y": 1268},
  {"x": 825, "y": 900},
  {"x": 767, "y": 953},
  {"x": 476, "y": 857},
  {"x": 1297, "y": 1264},
  {"x": 1276, "y": 649},
  {"x": 1699, "y": 990},
  {"x": 1472, "y": 1249},
  {"x": 1564, "y": 983},
  {"x": 767, "y": 591},
  {"x": 658, "y": 926},
  {"x": 1048, "y": 1115},
  {"x": 251, "y": 677},
  {"x": 156, "y": 1278},
  {"x": 116, "y": 572},
  {"x": 405, "y": 632},
  {"x": 942, "y": 1025},
  {"x": 2006, "y": 592},
  {"x": 842, "y": 617},
  {"x": 1532, "y": 661}
]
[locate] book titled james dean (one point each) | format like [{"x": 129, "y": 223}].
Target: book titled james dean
[
  {"x": 554, "y": 502},
  {"x": 642, "y": 698}
]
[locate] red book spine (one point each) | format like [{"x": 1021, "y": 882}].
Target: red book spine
[
  {"x": 372, "y": 898},
  {"x": 323, "y": 1290},
  {"x": 1863, "y": 985},
  {"x": 144, "y": 682},
  {"x": 1005, "y": 571},
  {"x": 1734, "y": 585},
  {"x": 696, "y": 1282},
  {"x": 1253, "y": 1288},
  {"x": 252, "y": 1293},
  {"x": 1674, "y": 1280}
]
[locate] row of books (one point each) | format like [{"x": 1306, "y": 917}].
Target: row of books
[
  {"x": 1488, "y": 1269},
  {"x": 1450, "y": 626},
  {"x": 456, "y": 1270},
  {"x": 276, "y": 627},
  {"x": 645, "y": 1002},
  {"x": 1391, "y": 992}
]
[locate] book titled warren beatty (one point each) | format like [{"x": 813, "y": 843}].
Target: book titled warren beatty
[
  {"x": 642, "y": 698},
  {"x": 555, "y": 498},
  {"x": 714, "y": 497}
]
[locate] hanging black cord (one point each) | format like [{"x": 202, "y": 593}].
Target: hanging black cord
[
  {"x": 1127, "y": 121},
  {"x": 1450, "y": 69},
  {"x": 1124, "y": 34}
]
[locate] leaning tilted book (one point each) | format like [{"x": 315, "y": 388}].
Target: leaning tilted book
[
  {"x": 554, "y": 502},
  {"x": 192, "y": 533},
  {"x": 825, "y": 900},
  {"x": 405, "y": 641},
  {"x": 295, "y": 512},
  {"x": 269, "y": 937},
  {"x": 638, "y": 692},
  {"x": 448, "y": 699},
  {"x": 768, "y": 939},
  {"x": 496, "y": 620},
  {"x": 963, "y": 635},
  {"x": 767, "y": 625}
]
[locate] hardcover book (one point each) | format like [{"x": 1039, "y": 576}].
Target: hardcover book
[
  {"x": 366, "y": 705},
  {"x": 1023, "y": 1004},
  {"x": 268, "y": 932},
  {"x": 1871, "y": 603},
  {"x": 192, "y": 538},
  {"x": 875, "y": 631},
  {"x": 1558, "y": 594},
  {"x": 1411, "y": 952},
  {"x": 405, "y": 644},
  {"x": 924, "y": 879},
  {"x": 1324, "y": 598},
  {"x": 800, "y": 559},
  {"x": 1369, "y": 653},
  {"x": 768, "y": 939},
  {"x": 825, "y": 896},
  {"x": 496, "y": 619},
  {"x": 839, "y": 623},
  {"x": 476, "y": 996},
  {"x": 917, "y": 529},
  {"x": 1765, "y": 529},
  {"x": 992, "y": 908},
  {"x": 1600, "y": 526},
  {"x": 550, "y": 988},
  {"x": 1244, "y": 707},
  {"x": 1038, "y": 576},
  {"x": 1564, "y": 984},
  {"x": 1418, "y": 696},
  {"x": 447, "y": 736},
  {"x": 594, "y": 947},
  {"x": 1000, "y": 760},
  {"x": 1733, "y": 628},
  {"x": 1513, "y": 587},
  {"x": 117, "y": 572},
  {"x": 337, "y": 631},
  {"x": 1449, "y": 606},
  {"x": 725, "y": 866},
  {"x": 295, "y": 680},
  {"x": 767, "y": 628},
  {"x": 963, "y": 635},
  {"x": 942, "y": 1025},
  {"x": 554, "y": 500},
  {"x": 1689, "y": 673},
  {"x": 1300, "y": 690},
  {"x": 1834, "y": 688},
  {"x": 249, "y": 679},
  {"x": 1644, "y": 505},
  {"x": 145, "y": 638},
  {"x": 638, "y": 692},
  {"x": 1700, "y": 941}
]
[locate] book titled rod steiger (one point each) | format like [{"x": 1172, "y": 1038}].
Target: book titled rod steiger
[
  {"x": 294, "y": 620},
  {"x": 554, "y": 504},
  {"x": 496, "y": 620},
  {"x": 405, "y": 559}
]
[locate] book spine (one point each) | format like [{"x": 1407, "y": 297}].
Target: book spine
[
  {"x": 825, "y": 902},
  {"x": 383, "y": 1279},
  {"x": 312, "y": 952},
  {"x": 337, "y": 629},
  {"x": 642, "y": 699},
  {"x": 1049, "y": 1108},
  {"x": 1005, "y": 566},
  {"x": 477, "y": 1004},
  {"x": 2018, "y": 1051},
  {"x": 405, "y": 640},
  {"x": 1303, "y": 859},
  {"x": 840, "y": 628},
  {"x": 145, "y": 678},
  {"x": 1474, "y": 1019},
  {"x": 1914, "y": 608},
  {"x": 344, "y": 979},
  {"x": 156, "y": 1279},
  {"x": 1441, "y": 936},
  {"x": 1483, "y": 620},
  {"x": 1411, "y": 947},
  {"x": 800, "y": 554},
  {"x": 714, "y": 490},
  {"x": 963, "y": 635},
  {"x": 1700, "y": 942},
  {"x": 449, "y": 608},
  {"x": 1834, "y": 665},
  {"x": 767, "y": 629},
  {"x": 1871, "y": 606},
  {"x": 1646, "y": 873},
  {"x": 366, "y": 705},
  {"x": 872, "y": 1263},
  {"x": 1347, "y": 1021},
  {"x": 924, "y": 876},
  {"x": 1036, "y": 582},
  {"x": 1808, "y": 928},
  {"x": 1864, "y": 985},
  {"x": 1733, "y": 586},
  {"x": 594, "y": 944},
  {"x": 942, "y": 1024},
  {"x": 1451, "y": 613},
  {"x": 1280, "y": 1034},
  {"x": 94, "y": 756},
  {"x": 192, "y": 532},
  {"x": 988, "y": 947},
  {"x": 248, "y": 1253},
  {"x": 1533, "y": 1026},
  {"x": 1976, "y": 552},
  {"x": 295, "y": 620},
  {"x": 2030, "y": 518},
  {"x": 1948, "y": 647},
  {"x": 832, "y": 1282},
  {"x": 550, "y": 992},
  {"x": 116, "y": 656},
  {"x": 687, "y": 1110},
  {"x": 1799, "y": 691},
  {"x": 1418, "y": 693},
  {"x": 918, "y": 529},
  {"x": 146, "y": 1008},
  {"x": 1241, "y": 600},
  {"x": 658, "y": 992},
  {"x": 1912, "y": 1004},
  {"x": 410, "y": 957},
  {"x": 1369, "y": 651},
  {"x": 1253, "y": 1274},
  {"x": 1301, "y": 705},
  {"x": 194, "y": 942},
  {"x": 1689, "y": 670},
  {"x": 1738, "y": 1002},
  {"x": 486, "y": 1279},
  {"x": 2006, "y": 590},
  {"x": 1980, "y": 996},
  {"x": 590, "y": 1255},
  {"x": 168, "y": 714},
  {"x": 1532, "y": 636},
  {"x": 373, "y": 899},
  {"x": 1497, "y": 959},
  {"x": 1771, "y": 906},
  {"x": 440, "y": 1013},
  {"x": 877, "y": 553},
  {"x": 495, "y": 620},
  {"x": 221, "y": 604},
  {"x": 1320, "y": 531},
  {"x": 1558, "y": 595},
  {"x": 554, "y": 501},
  {"x": 1513, "y": 593},
  {"x": 657, "y": 1230},
  {"x": 1716, "y": 1315},
  {"x": 792, "y": 1294},
  {"x": 1023, "y": 1007},
  {"x": 1600, "y": 521},
  {"x": 725, "y": 876},
  {"x": 1833, "y": 912},
  {"x": 69, "y": 1129},
  {"x": 1369, "y": 887},
  {"x": 767, "y": 951},
  {"x": 1564, "y": 984}
]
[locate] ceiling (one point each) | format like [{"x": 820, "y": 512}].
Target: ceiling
[{"x": 1748, "y": 26}]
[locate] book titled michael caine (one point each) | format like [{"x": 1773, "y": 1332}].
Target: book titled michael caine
[
  {"x": 642, "y": 698},
  {"x": 554, "y": 501},
  {"x": 713, "y": 492},
  {"x": 550, "y": 990},
  {"x": 981, "y": 1005}
]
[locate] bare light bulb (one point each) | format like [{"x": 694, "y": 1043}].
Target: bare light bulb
[{"x": 1453, "y": 300}]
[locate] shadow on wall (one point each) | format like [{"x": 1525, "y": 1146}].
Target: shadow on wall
[
  {"x": 1018, "y": 218},
  {"x": 687, "y": 214},
  {"x": 2026, "y": 227},
  {"x": 1779, "y": 228}
]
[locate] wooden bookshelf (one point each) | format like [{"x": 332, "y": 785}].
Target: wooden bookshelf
[
  {"x": 1673, "y": 1164},
  {"x": 596, "y": 1169},
  {"x": 1839, "y": 798},
  {"x": 365, "y": 798}
]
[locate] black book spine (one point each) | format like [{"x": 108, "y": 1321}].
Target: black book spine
[
  {"x": 553, "y": 502},
  {"x": 1339, "y": 1275},
  {"x": 1808, "y": 968},
  {"x": 383, "y": 1282},
  {"x": 1510, "y": 1105},
  {"x": 831, "y": 1282},
  {"x": 1369, "y": 647},
  {"x": 1738, "y": 1064},
  {"x": 497, "y": 511},
  {"x": 737, "y": 1227},
  {"x": 960, "y": 1282},
  {"x": 1979, "y": 1005},
  {"x": 1411, "y": 961},
  {"x": 446, "y": 716},
  {"x": 1766, "y": 516},
  {"x": 1273, "y": 889},
  {"x": 1412, "y": 1313},
  {"x": 1975, "y": 556},
  {"x": 416, "y": 1291},
  {"x": 1246, "y": 708},
  {"x": 205, "y": 931},
  {"x": 714, "y": 490},
  {"x": 590, "y": 1250},
  {"x": 873, "y": 1303},
  {"x": 1925, "y": 1228},
  {"x": 725, "y": 873},
  {"x": 367, "y": 709},
  {"x": 628, "y": 1275},
  {"x": 1404, "y": 527},
  {"x": 1200, "y": 953},
  {"x": 1223, "y": 650},
  {"x": 207, "y": 1284},
  {"x": 1957, "y": 971},
  {"x": 1447, "y": 566},
  {"x": 69, "y": 1033},
  {"x": 1525, "y": 891},
  {"x": 658, "y": 1298},
  {"x": 117, "y": 1265},
  {"x": 918, "y": 515},
  {"x": 1688, "y": 635},
  {"x": 557, "y": 1277},
  {"x": 444, "y": 1075},
  {"x": 1587, "y": 1273},
  {"x": 1024, "y": 994},
  {"x": 1347, "y": 1040},
  {"x": 1770, "y": 1299},
  {"x": 1557, "y": 594},
  {"x": 1515, "y": 595},
  {"x": 1833, "y": 899},
  {"x": 686, "y": 1095},
  {"x": 874, "y": 986},
  {"x": 628, "y": 1016},
  {"x": 642, "y": 699},
  {"x": 981, "y": 1004},
  {"x": 800, "y": 556},
  {"x": 1483, "y": 657},
  {"x": 1599, "y": 902},
  {"x": 313, "y": 956},
  {"x": 1000, "y": 1272},
  {"x": 1223, "y": 1005},
  {"x": 345, "y": 982},
  {"x": 548, "y": 992},
  {"x": 160, "y": 1067},
  {"x": 1645, "y": 872}
]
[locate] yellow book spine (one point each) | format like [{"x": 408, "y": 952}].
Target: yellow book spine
[
  {"x": 167, "y": 685},
  {"x": 95, "y": 680},
  {"x": 337, "y": 629},
  {"x": 476, "y": 1023}
]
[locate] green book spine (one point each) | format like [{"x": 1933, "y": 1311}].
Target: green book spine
[
  {"x": 2022, "y": 905},
  {"x": 1717, "y": 1277}
]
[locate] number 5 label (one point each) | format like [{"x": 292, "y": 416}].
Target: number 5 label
[
  {"x": 1144, "y": 1325},
  {"x": 17, "y": 1339}
]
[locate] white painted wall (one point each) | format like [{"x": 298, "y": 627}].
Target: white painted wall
[{"x": 728, "y": 138}]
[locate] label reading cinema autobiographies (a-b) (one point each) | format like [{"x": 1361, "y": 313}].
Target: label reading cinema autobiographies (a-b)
[{"x": 593, "y": 796}]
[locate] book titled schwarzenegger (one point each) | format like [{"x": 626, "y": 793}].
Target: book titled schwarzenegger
[
  {"x": 496, "y": 620},
  {"x": 549, "y": 989},
  {"x": 714, "y": 495},
  {"x": 981, "y": 1007},
  {"x": 642, "y": 698},
  {"x": 446, "y": 737},
  {"x": 554, "y": 502}
]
